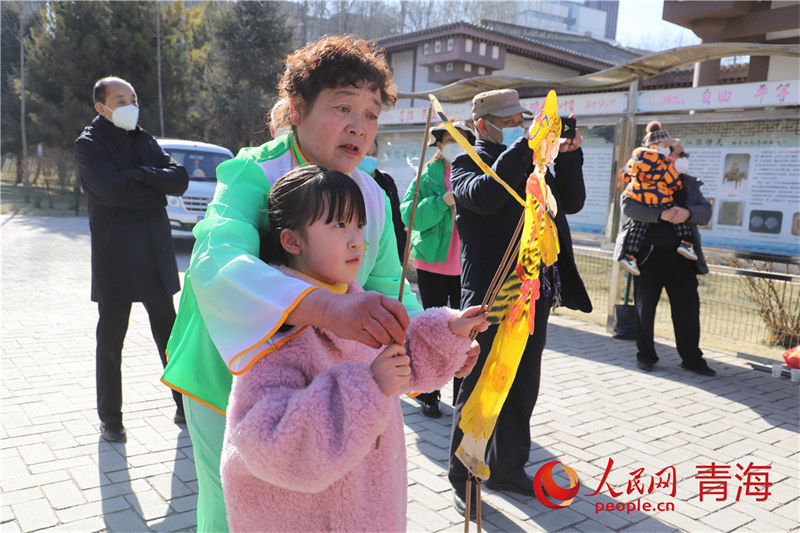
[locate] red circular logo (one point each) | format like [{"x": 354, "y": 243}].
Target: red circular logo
[{"x": 544, "y": 485}]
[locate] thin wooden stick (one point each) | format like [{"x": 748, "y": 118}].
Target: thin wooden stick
[
  {"x": 407, "y": 252},
  {"x": 505, "y": 273},
  {"x": 498, "y": 278},
  {"x": 502, "y": 270},
  {"x": 467, "y": 511},
  {"x": 478, "y": 505}
]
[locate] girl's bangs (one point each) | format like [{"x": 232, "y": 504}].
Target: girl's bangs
[{"x": 341, "y": 198}]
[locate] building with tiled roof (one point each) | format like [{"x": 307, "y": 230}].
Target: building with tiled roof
[
  {"x": 433, "y": 57},
  {"x": 429, "y": 59},
  {"x": 587, "y": 46}
]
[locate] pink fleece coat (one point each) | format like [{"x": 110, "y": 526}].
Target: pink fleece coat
[{"x": 302, "y": 424}]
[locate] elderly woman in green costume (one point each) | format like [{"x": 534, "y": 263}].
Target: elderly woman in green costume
[{"x": 234, "y": 308}]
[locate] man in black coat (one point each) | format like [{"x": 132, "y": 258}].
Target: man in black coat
[
  {"x": 126, "y": 176},
  {"x": 486, "y": 217}
]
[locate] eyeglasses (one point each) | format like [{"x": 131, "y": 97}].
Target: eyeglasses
[{"x": 683, "y": 154}]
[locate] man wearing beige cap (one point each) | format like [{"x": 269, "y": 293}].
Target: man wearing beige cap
[{"x": 486, "y": 218}]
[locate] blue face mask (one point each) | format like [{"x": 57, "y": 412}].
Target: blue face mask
[
  {"x": 510, "y": 135},
  {"x": 368, "y": 164}
]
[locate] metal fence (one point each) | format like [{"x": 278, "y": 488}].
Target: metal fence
[
  {"x": 744, "y": 304},
  {"x": 744, "y": 307},
  {"x": 43, "y": 199},
  {"x": 52, "y": 187}
]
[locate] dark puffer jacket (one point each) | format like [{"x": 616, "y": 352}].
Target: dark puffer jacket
[
  {"x": 126, "y": 176},
  {"x": 486, "y": 215}
]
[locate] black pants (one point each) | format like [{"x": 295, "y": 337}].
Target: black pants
[
  {"x": 111, "y": 329},
  {"x": 662, "y": 268},
  {"x": 439, "y": 290},
  {"x": 510, "y": 445}
]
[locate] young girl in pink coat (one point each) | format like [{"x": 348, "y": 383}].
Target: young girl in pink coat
[{"x": 314, "y": 438}]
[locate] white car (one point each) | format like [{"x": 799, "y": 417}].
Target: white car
[{"x": 200, "y": 160}]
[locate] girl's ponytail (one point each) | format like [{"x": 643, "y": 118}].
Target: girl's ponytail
[{"x": 271, "y": 249}]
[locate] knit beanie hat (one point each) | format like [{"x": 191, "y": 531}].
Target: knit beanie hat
[{"x": 656, "y": 134}]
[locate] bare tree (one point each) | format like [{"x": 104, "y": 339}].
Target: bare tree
[
  {"x": 663, "y": 39},
  {"x": 158, "y": 68},
  {"x": 373, "y": 19},
  {"x": 499, "y": 11},
  {"x": 419, "y": 14},
  {"x": 23, "y": 167}
]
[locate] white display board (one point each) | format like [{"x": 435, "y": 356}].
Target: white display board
[
  {"x": 580, "y": 104},
  {"x": 751, "y": 174},
  {"x": 750, "y": 168}
]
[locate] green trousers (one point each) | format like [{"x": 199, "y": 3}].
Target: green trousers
[{"x": 207, "y": 430}]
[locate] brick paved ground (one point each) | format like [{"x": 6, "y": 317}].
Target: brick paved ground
[{"x": 59, "y": 475}]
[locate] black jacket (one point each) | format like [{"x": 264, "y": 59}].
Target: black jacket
[
  {"x": 486, "y": 215},
  {"x": 390, "y": 188},
  {"x": 688, "y": 197},
  {"x": 126, "y": 176}
]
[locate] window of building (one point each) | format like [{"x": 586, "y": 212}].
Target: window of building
[
  {"x": 482, "y": 49},
  {"x": 495, "y": 52},
  {"x": 437, "y": 46},
  {"x": 449, "y": 66},
  {"x": 481, "y": 71},
  {"x": 437, "y": 68},
  {"x": 426, "y": 48},
  {"x": 450, "y": 44},
  {"x": 468, "y": 45},
  {"x": 467, "y": 67}
]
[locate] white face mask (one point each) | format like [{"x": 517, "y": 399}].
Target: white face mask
[
  {"x": 125, "y": 117},
  {"x": 682, "y": 165},
  {"x": 663, "y": 150},
  {"x": 451, "y": 151}
]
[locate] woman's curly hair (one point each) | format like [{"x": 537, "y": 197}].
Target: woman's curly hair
[{"x": 337, "y": 61}]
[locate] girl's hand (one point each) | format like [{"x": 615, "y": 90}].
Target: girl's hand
[
  {"x": 468, "y": 320},
  {"x": 391, "y": 369},
  {"x": 472, "y": 358}
]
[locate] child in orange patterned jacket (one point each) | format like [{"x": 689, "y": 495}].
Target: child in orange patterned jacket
[{"x": 652, "y": 180}]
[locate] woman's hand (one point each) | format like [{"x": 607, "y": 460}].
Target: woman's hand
[
  {"x": 391, "y": 369},
  {"x": 467, "y": 320},
  {"x": 667, "y": 214},
  {"x": 675, "y": 215},
  {"x": 367, "y": 317},
  {"x": 681, "y": 215}
]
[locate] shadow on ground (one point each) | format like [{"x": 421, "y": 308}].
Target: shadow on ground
[
  {"x": 122, "y": 510},
  {"x": 754, "y": 389},
  {"x": 585, "y": 504}
]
